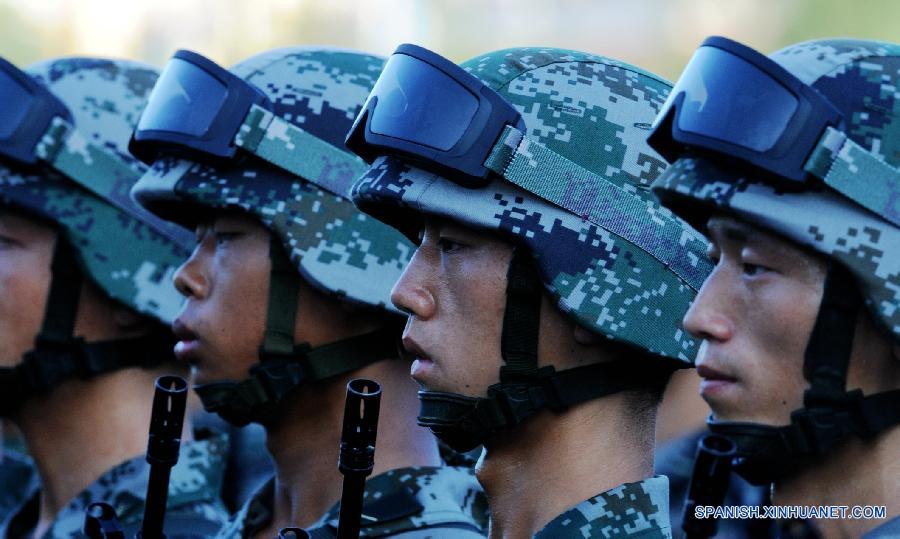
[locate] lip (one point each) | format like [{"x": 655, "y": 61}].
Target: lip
[
  {"x": 714, "y": 382},
  {"x": 421, "y": 362},
  {"x": 188, "y": 345}
]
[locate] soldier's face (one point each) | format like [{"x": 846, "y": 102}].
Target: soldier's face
[
  {"x": 454, "y": 290},
  {"x": 26, "y": 252},
  {"x": 226, "y": 282},
  {"x": 755, "y": 314}
]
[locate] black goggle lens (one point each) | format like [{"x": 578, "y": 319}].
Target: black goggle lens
[
  {"x": 728, "y": 99},
  {"x": 14, "y": 104},
  {"x": 185, "y": 100},
  {"x": 419, "y": 104}
]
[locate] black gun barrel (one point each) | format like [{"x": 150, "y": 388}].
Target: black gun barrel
[
  {"x": 357, "y": 456},
  {"x": 166, "y": 421},
  {"x": 293, "y": 533},
  {"x": 100, "y": 522},
  {"x": 709, "y": 484}
]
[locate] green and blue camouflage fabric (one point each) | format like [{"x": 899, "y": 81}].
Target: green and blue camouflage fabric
[
  {"x": 639, "y": 509},
  {"x": 18, "y": 480},
  {"x": 194, "y": 509},
  {"x": 862, "y": 79},
  {"x": 613, "y": 259},
  {"x": 85, "y": 182},
  {"x": 335, "y": 247},
  {"x": 413, "y": 502}
]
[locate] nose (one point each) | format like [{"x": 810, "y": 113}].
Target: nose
[
  {"x": 190, "y": 279},
  {"x": 411, "y": 292},
  {"x": 709, "y": 316}
]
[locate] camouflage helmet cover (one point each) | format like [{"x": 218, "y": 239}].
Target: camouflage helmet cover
[
  {"x": 595, "y": 112},
  {"x": 862, "y": 79},
  {"x": 128, "y": 253},
  {"x": 334, "y": 246}
]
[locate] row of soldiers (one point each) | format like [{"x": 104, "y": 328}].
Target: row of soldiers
[{"x": 561, "y": 232}]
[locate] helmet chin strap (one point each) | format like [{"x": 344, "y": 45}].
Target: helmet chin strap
[
  {"x": 283, "y": 366},
  {"x": 58, "y": 355},
  {"x": 524, "y": 389},
  {"x": 830, "y": 413}
]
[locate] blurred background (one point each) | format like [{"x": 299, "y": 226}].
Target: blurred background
[{"x": 658, "y": 35}]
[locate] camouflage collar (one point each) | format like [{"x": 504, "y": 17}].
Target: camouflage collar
[
  {"x": 890, "y": 528},
  {"x": 637, "y": 509},
  {"x": 196, "y": 479},
  {"x": 412, "y": 498},
  {"x": 398, "y": 500}
]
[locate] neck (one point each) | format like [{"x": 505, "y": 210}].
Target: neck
[
  {"x": 304, "y": 444},
  {"x": 82, "y": 429},
  {"x": 554, "y": 462},
  {"x": 858, "y": 473}
]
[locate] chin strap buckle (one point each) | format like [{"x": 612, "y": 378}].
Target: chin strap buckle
[
  {"x": 828, "y": 416},
  {"x": 522, "y": 395}
]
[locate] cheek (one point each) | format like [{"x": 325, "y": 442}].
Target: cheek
[
  {"x": 235, "y": 312},
  {"x": 781, "y": 321},
  {"x": 23, "y": 296},
  {"x": 475, "y": 300}
]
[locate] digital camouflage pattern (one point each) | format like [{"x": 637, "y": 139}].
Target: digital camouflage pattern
[
  {"x": 639, "y": 509},
  {"x": 128, "y": 253},
  {"x": 334, "y": 246},
  {"x": 18, "y": 480},
  {"x": 413, "y": 502},
  {"x": 194, "y": 509},
  {"x": 862, "y": 79},
  {"x": 593, "y": 113}
]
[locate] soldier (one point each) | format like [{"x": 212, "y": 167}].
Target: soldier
[
  {"x": 545, "y": 294},
  {"x": 288, "y": 286},
  {"x": 789, "y": 162},
  {"x": 85, "y": 279}
]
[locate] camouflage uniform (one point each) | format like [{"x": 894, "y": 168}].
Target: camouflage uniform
[
  {"x": 194, "y": 509},
  {"x": 846, "y": 212},
  {"x": 630, "y": 510},
  {"x": 18, "y": 479},
  {"x": 405, "y": 502},
  {"x": 296, "y": 182}
]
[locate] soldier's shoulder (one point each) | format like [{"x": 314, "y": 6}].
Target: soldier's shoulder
[{"x": 638, "y": 509}]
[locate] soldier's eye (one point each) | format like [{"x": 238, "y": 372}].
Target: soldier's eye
[
  {"x": 223, "y": 238},
  {"x": 448, "y": 246},
  {"x": 6, "y": 241},
  {"x": 753, "y": 270}
]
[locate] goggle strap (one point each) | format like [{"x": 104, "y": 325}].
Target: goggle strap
[
  {"x": 544, "y": 173},
  {"x": 856, "y": 173},
  {"x": 289, "y": 147},
  {"x": 99, "y": 171}
]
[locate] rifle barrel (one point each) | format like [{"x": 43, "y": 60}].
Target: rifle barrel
[{"x": 357, "y": 456}]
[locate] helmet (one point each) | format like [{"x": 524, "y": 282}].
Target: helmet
[
  {"x": 845, "y": 209},
  {"x": 124, "y": 250},
  {"x": 81, "y": 183},
  {"x": 315, "y": 92},
  {"x": 568, "y": 187}
]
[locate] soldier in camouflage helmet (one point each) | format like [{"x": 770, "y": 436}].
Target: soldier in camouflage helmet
[
  {"x": 790, "y": 162},
  {"x": 288, "y": 286},
  {"x": 524, "y": 177},
  {"x": 85, "y": 275}
]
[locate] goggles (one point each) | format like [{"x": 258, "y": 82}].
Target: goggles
[
  {"x": 36, "y": 128},
  {"x": 27, "y": 109},
  {"x": 733, "y": 101},
  {"x": 203, "y": 112},
  {"x": 427, "y": 110}
]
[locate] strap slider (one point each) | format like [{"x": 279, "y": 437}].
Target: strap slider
[{"x": 52, "y": 360}]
